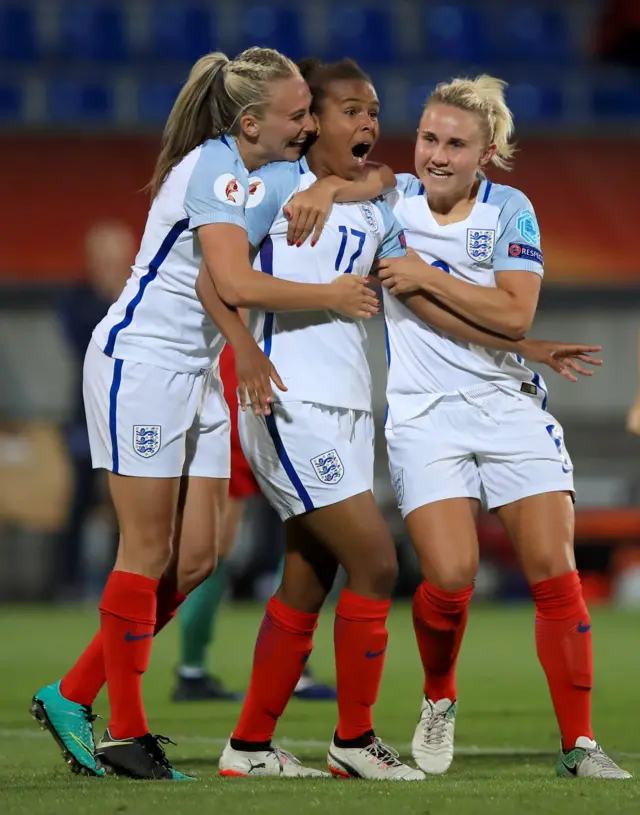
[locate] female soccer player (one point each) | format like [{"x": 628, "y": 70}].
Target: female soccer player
[
  {"x": 156, "y": 415},
  {"x": 198, "y": 614},
  {"x": 469, "y": 426},
  {"x": 313, "y": 456}
]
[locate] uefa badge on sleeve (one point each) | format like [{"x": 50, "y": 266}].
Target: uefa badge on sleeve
[
  {"x": 146, "y": 439},
  {"x": 328, "y": 467},
  {"x": 480, "y": 244}
]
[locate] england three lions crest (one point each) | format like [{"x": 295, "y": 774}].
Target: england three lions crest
[
  {"x": 146, "y": 439},
  {"x": 480, "y": 243},
  {"x": 328, "y": 467},
  {"x": 369, "y": 214}
]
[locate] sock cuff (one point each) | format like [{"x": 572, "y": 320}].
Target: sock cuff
[
  {"x": 446, "y": 602},
  {"x": 291, "y": 620},
  {"x": 559, "y": 597},
  {"x": 130, "y": 597},
  {"x": 355, "y": 607}
]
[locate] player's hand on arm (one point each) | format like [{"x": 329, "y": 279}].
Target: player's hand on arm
[
  {"x": 255, "y": 370},
  {"x": 308, "y": 211},
  {"x": 566, "y": 359},
  {"x": 353, "y": 297},
  {"x": 405, "y": 275}
]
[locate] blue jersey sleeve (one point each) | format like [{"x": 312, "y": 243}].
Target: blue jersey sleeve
[
  {"x": 393, "y": 244},
  {"x": 269, "y": 190},
  {"x": 518, "y": 241},
  {"x": 217, "y": 189},
  {"x": 409, "y": 184}
]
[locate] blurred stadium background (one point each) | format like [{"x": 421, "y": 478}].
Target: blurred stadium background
[{"x": 85, "y": 86}]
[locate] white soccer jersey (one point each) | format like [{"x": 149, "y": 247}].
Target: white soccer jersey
[
  {"x": 500, "y": 234},
  {"x": 158, "y": 319},
  {"x": 320, "y": 355}
]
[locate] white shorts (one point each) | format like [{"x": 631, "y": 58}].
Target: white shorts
[
  {"x": 496, "y": 446},
  {"x": 307, "y": 456},
  {"x": 149, "y": 422}
]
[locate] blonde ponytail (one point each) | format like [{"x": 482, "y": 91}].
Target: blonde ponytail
[
  {"x": 483, "y": 96},
  {"x": 218, "y": 92}
]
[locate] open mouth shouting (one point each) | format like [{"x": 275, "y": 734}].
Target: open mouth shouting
[{"x": 359, "y": 152}]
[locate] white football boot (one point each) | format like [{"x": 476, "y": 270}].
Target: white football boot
[
  {"x": 375, "y": 762},
  {"x": 273, "y": 763},
  {"x": 432, "y": 745},
  {"x": 588, "y": 760}
]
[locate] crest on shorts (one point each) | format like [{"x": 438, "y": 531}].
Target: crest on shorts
[
  {"x": 369, "y": 214},
  {"x": 398, "y": 486},
  {"x": 146, "y": 439},
  {"x": 480, "y": 243},
  {"x": 328, "y": 467}
]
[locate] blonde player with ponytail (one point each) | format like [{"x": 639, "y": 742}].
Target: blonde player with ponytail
[
  {"x": 468, "y": 425},
  {"x": 156, "y": 415}
]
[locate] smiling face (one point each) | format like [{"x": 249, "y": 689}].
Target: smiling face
[
  {"x": 450, "y": 149},
  {"x": 284, "y": 123},
  {"x": 347, "y": 127}
]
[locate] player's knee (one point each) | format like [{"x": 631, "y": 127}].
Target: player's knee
[
  {"x": 547, "y": 565},
  {"x": 380, "y": 573},
  {"x": 456, "y": 574},
  {"x": 192, "y": 571},
  {"x": 308, "y": 599},
  {"x": 144, "y": 552}
]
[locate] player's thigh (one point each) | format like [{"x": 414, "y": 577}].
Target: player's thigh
[
  {"x": 146, "y": 512},
  {"x": 429, "y": 460},
  {"x": 138, "y": 415},
  {"x": 208, "y": 441},
  {"x": 303, "y": 456},
  {"x": 309, "y": 569},
  {"x": 445, "y": 539},
  {"x": 521, "y": 451},
  {"x": 541, "y": 528},
  {"x": 198, "y": 529}
]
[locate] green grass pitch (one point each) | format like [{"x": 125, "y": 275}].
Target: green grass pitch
[{"x": 506, "y": 732}]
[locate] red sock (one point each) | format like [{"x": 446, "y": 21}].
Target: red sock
[
  {"x": 282, "y": 649},
  {"x": 84, "y": 681},
  {"x": 169, "y": 601},
  {"x": 440, "y": 620},
  {"x": 360, "y": 640},
  {"x": 127, "y": 621},
  {"x": 563, "y": 638}
]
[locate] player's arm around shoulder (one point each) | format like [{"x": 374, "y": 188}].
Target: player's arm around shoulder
[{"x": 308, "y": 210}]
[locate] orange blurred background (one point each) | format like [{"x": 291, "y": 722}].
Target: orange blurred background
[{"x": 54, "y": 188}]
